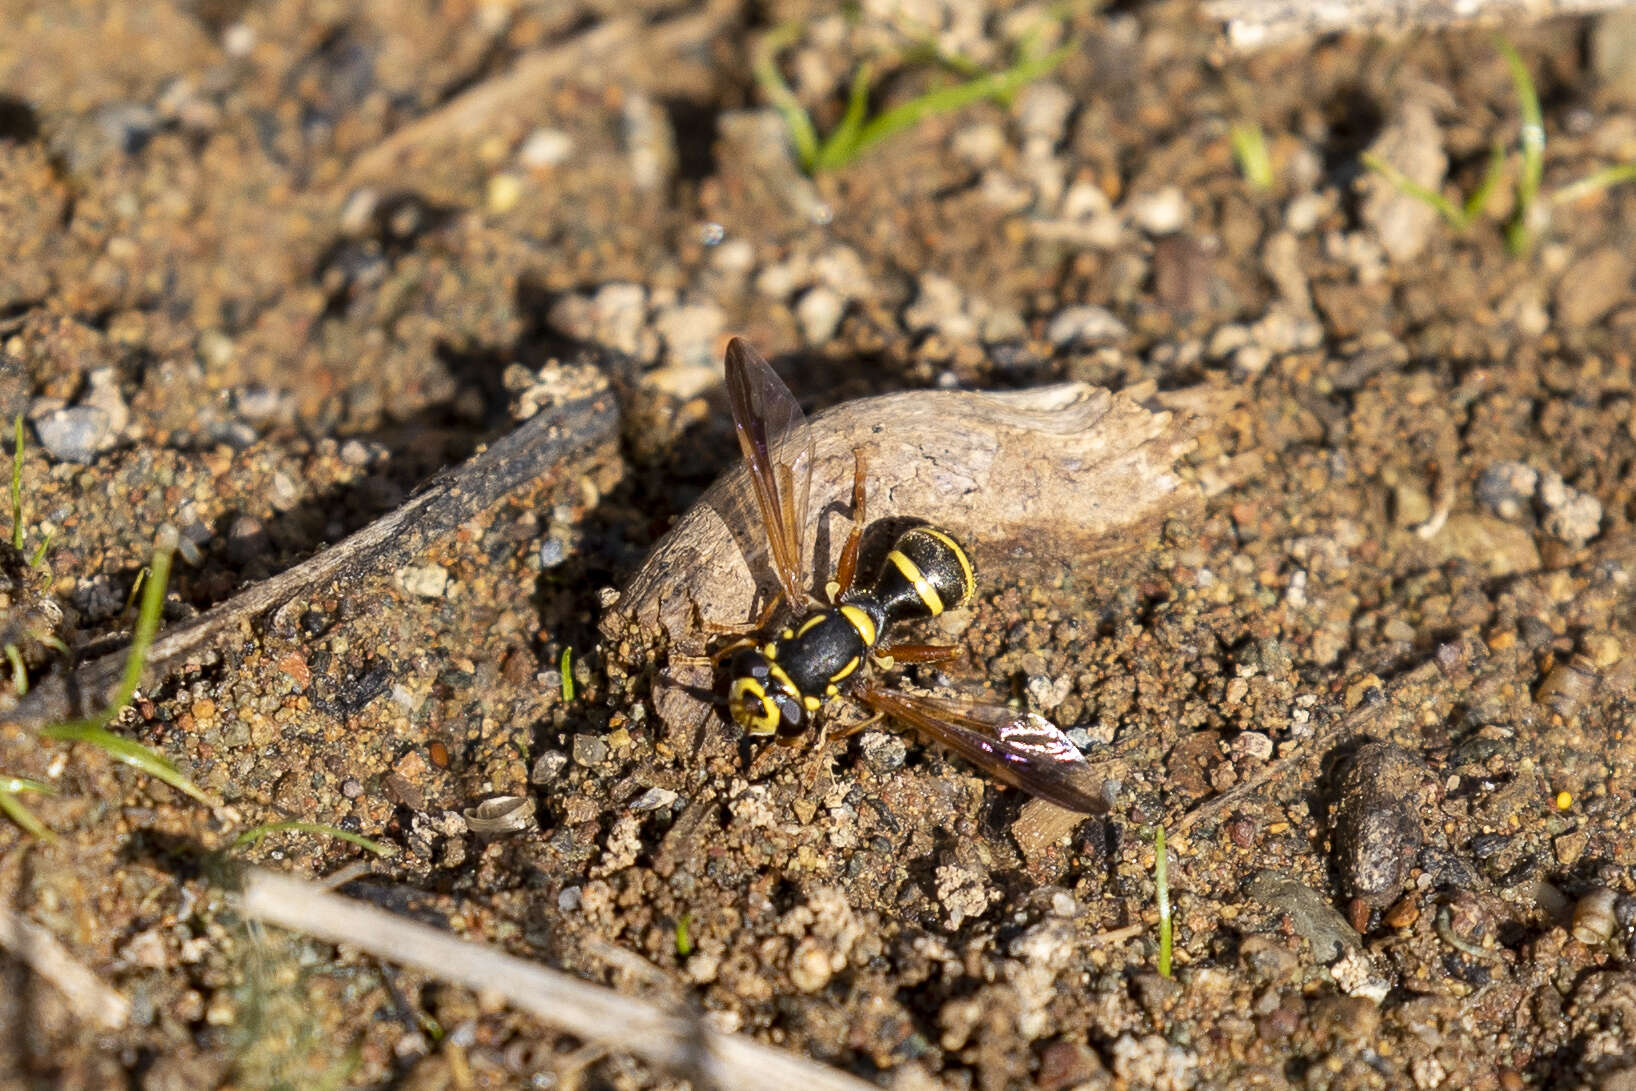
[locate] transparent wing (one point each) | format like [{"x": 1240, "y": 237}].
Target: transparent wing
[
  {"x": 1023, "y": 749},
  {"x": 777, "y": 446}
]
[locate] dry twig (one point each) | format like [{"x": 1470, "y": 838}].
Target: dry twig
[
  {"x": 622, "y": 43},
  {"x": 87, "y": 996},
  {"x": 544, "y": 445},
  {"x": 1039, "y": 480},
  {"x": 596, "y": 1014},
  {"x": 1255, "y": 24}
]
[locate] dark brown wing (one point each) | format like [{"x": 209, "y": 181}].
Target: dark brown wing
[
  {"x": 777, "y": 446},
  {"x": 1023, "y": 749}
]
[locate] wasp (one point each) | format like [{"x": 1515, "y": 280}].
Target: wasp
[{"x": 779, "y": 688}]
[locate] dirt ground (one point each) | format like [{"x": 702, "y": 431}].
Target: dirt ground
[{"x": 266, "y": 268}]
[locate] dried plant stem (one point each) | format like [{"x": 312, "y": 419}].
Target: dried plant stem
[
  {"x": 87, "y": 996},
  {"x": 545, "y": 446},
  {"x": 678, "y": 1042}
]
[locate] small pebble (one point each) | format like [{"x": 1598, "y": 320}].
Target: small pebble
[
  {"x": 781, "y": 279},
  {"x": 429, "y": 581},
  {"x": 256, "y": 403},
  {"x": 1084, "y": 325},
  {"x": 1378, "y": 829},
  {"x": 74, "y": 434},
  {"x": 553, "y": 551},
  {"x": 102, "y": 392},
  {"x": 940, "y": 306},
  {"x": 1085, "y": 201},
  {"x": 1251, "y": 746},
  {"x": 590, "y": 749},
  {"x": 1412, "y": 141},
  {"x": 1506, "y": 488},
  {"x": 619, "y": 311},
  {"x": 810, "y": 969},
  {"x": 246, "y": 539},
  {"x": 1593, "y": 920},
  {"x": 285, "y": 496},
  {"x": 731, "y": 257},
  {"x": 1570, "y": 516},
  {"x": 1162, "y": 212},
  {"x": 980, "y": 145},
  {"x": 819, "y": 313},
  {"x": 1047, "y": 693},
  {"x": 544, "y": 148},
  {"x": 1043, "y": 109},
  {"x": 653, "y": 799},
  {"x": 548, "y": 767},
  {"x": 883, "y": 750},
  {"x": 689, "y": 332},
  {"x": 1592, "y": 287}
]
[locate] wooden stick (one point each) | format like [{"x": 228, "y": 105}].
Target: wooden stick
[
  {"x": 1036, "y": 481},
  {"x": 543, "y": 446},
  {"x": 88, "y": 998},
  {"x": 619, "y": 45},
  {"x": 1249, "y": 25},
  {"x": 681, "y": 1043}
]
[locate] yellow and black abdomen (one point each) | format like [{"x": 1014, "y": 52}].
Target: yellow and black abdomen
[{"x": 926, "y": 573}]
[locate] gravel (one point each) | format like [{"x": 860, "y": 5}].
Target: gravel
[{"x": 74, "y": 434}]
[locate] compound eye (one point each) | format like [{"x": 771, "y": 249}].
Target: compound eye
[
  {"x": 750, "y": 663},
  {"x": 792, "y": 717}
]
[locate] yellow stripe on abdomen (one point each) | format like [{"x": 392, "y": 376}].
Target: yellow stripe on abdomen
[{"x": 923, "y": 587}]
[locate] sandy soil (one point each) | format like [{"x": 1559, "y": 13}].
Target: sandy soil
[{"x": 265, "y": 268}]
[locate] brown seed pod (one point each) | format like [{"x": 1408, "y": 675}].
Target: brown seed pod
[{"x": 1378, "y": 829}]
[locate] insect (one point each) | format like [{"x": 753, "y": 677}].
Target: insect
[{"x": 779, "y": 688}]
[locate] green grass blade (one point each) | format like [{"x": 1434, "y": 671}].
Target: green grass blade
[
  {"x": 1249, "y": 146},
  {"x": 1451, "y": 213},
  {"x": 1593, "y": 182},
  {"x": 565, "y": 666},
  {"x": 684, "y": 942},
  {"x": 94, "y": 729},
  {"x": 147, "y": 622},
  {"x": 1161, "y": 880},
  {"x": 843, "y": 144},
  {"x": 130, "y": 752},
  {"x": 39, "y": 552},
  {"x": 1531, "y": 137},
  {"x": 19, "y": 670},
  {"x": 25, "y": 784},
  {"x": 947, "y": 100},
  {"x": 1485, "y": 189},
  {"x": 17, "y": 485},
  {"x": 21, "y": 815},
  {"x": 797, "y": 122},
  {"x": 255, "y": 833}
]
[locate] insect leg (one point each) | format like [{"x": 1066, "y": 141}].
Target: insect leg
[
  {"x": 917, "y": 653},
  {"x": 847, "y": 570},
  {"x": 756, "y": 625},
  {"x": 862, "y": 725}
]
